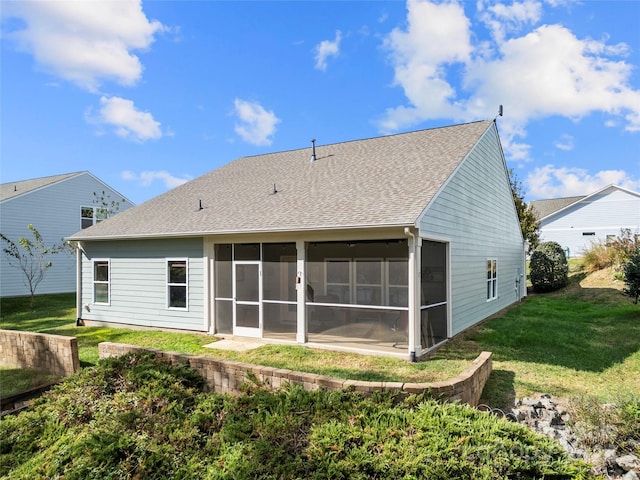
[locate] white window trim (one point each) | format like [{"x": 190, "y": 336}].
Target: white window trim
[
  {"x": 493, "y": 280},
  {"x": 82, "y": 217},
  {"x": 169, "y": 284},
  {"x": 102, "y": 282}
]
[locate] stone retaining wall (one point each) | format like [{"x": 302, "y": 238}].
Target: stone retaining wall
[
  {"x": 56, "y": 354},
  {"x": 225, "y": 376}
]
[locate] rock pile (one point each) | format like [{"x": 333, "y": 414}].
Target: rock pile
[{"x": 550, "y": 417}]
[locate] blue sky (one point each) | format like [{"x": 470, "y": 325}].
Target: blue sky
[{"x": 148, "y": 95}]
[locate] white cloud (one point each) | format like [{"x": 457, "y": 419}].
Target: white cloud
[
  {"x": 127, "y": 121},
  {"x": 535, "y": 73},
  {"x": 327, "y": 48},
  {"x": 437, "y": 35},
  {"x": 256, "y": 125},
  {"x": 502, "y": 19},
  {"x": 84, "y": 42},
  {"x": 146, "y": 178},
  {"x": 565, "y": 142},
  {"x": 552, "y": 182}
]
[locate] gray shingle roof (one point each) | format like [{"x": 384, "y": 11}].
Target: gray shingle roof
[
  {"x": 544, "y": 208},
  {"x": 13, "y": 189},
  {"x": 382, "y": 181}
]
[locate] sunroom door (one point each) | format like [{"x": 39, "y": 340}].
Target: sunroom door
[{"x": 247, "y": 320}]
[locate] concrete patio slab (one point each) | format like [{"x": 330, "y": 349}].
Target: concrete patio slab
[{"x": 236, "y": 345}]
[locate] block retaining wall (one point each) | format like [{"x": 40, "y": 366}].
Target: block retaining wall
[
  {"x": 56, "y": 354},
  {"x": 225, "y": 376}
]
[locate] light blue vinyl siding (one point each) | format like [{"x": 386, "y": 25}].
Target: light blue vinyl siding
[
  {"x": 54, "y": 211},
  {"x": 139, "y": 283},
  {"x": 474, "y": 212},
  {"x": 605, "y": 213}
]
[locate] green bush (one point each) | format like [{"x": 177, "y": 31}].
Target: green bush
[
  {"x": 549, "y": 269},
  {"x": 631, "y": 271},
  {"x": 137, "y": 417}
]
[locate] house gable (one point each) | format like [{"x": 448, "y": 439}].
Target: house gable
[
  {"x": 53, "y": 206},
  {"x": 475, "y": 213}
]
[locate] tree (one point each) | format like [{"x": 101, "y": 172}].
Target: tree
[
  {"x": 31, "y": 257},
  {"x": 106, "y": 206},
  {"x": 549, "y": 267},
  {"x": 631, "y": 271},
  {"x": 528, "y": 222}
]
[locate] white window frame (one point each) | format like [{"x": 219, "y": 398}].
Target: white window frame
[
  {"x": 82, "y": 217},
  {"x": 95, "y": 282},
  {"x": 169, "y": 284},
  {"x": 492, "y": 283},
  {"x": 97, "y": 215}
]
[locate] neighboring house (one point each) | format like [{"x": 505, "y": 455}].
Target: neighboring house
[
  {"x": 57, "y": 207},
  {"x": 576, "y": 223},
  {"x": 389, "y": 245}
]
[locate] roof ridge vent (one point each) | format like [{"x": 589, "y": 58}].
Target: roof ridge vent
[{"x": 313, "y": 150}]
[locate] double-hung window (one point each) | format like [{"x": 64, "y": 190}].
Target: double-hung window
[
  {"x": 91, "y": 215},
  {"x": 101, "y": 281},
  {"x": 492, "y": 279},
  {"x": 86, "y": 217},
  {"x": 177, "y": 283}
]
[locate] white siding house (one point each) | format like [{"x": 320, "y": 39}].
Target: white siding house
[
  {"x": 57, "y": 206},
  {"x": 578, "y": 222},
  {"x": 387, "y": 245}
]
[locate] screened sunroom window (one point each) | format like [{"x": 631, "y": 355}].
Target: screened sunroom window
[{"x": 359, "y": 291}]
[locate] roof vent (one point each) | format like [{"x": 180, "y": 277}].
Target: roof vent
[{"x": 313, "y": 150}]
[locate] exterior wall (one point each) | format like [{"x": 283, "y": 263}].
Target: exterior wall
[
  {"x": 604, "y": 213},
  {"x": 475, "y": 213},
  {"x": 56, "y": 354},
  {"x": 224, "y": 376},
  {"x": 138, "y": 283},
  {"x": 54, "y": 211}
]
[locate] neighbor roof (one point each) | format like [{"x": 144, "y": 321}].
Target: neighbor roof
[
  {"x": 382, "y": 181},
  {"x": 544, "y": 208},
  {"x": 13, "y": 189}
]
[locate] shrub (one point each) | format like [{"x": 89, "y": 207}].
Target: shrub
[
  {"x": 139, "y": 417},
  {"x": 549, "y": 267},
  {"x": 616, "y": 424},
  {"x": 632, "y": 275},
  {"x": 597, "y": 257},
  {"x": 614, "y": 253}
]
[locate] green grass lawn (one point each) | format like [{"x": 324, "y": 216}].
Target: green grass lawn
[{"x": 582, "y": 340}]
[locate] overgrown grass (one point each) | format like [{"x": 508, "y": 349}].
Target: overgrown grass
[
  {"x": 581, "y": 340},
  {"x": 137, "y": 417}
]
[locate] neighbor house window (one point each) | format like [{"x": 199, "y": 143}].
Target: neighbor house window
[
  {"x": 101, "y": 278},
  {"x": 177, "y": 283},
  {"x": 492, "y": 279},
  {"x": 86, "y": 217},
  {"x": 91, "y": 215}
]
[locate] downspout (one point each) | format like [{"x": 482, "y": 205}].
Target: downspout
[
  {"x": 78, "y": 284},
  {"x": 412, "y": 297}
]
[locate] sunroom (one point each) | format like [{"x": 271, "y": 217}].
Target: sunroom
[{"x": 347, "y": 295}]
